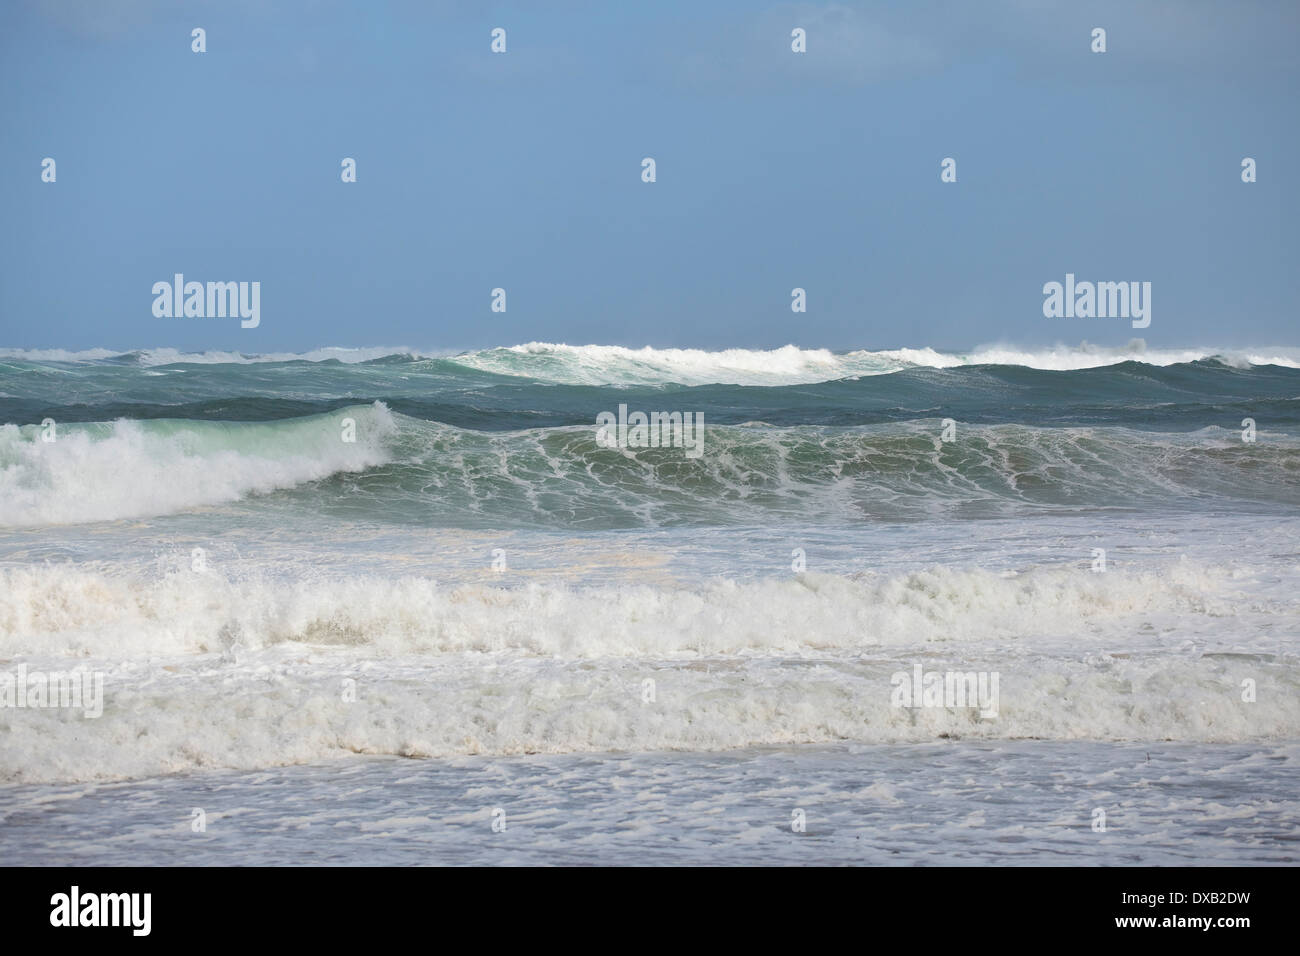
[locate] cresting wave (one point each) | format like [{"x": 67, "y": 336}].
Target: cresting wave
[
  {"x": 619, "y": 365},
  {"x": 131, "y": 469},
  {"x": 607, "y": 364},
  {"x": 426, "y": 473},
  {"x": 561, "y": 477}
]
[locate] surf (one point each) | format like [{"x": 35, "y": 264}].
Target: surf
[
  {"x": 108, "y": 471},
  {"x": 594, "y": 364}
]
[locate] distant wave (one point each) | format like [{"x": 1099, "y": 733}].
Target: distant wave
[
  {"x": 609, "y": 364},
  {"x": 615, "y": 365},
  {"x": 169, "y": 356}
]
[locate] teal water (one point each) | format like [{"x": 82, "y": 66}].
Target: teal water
[{"x": 506, "y": 438}]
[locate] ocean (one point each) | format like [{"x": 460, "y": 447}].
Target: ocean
[{"x": 381, "y": 606}]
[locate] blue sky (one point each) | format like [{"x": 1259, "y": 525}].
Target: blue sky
[{"x": 523, "y": 171}]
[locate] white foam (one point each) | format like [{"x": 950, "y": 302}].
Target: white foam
[
  {"x": 266, "y": 709},
  {"x": 600, "y": 364},
  {"x": 248, "y": 669},
  {"x": 130, "y": 469},
  {"x": 87, "y": 611},
  {"x": 606, "y": 364},
  {"x": 789, "y": 364}
]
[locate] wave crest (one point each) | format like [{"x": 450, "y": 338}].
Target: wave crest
[
  {"x": 564, "y": 364},
  {"x": 135, "y": 469}
]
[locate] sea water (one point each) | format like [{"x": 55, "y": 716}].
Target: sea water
[{"x": 627, "y": 655}]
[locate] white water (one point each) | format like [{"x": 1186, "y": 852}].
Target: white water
[
  {"x": 612, "y": 364},
  {"x": 131, "y": 469},
  {"x": 602, "y": 364},
  {"x": 243, "y": 664}
]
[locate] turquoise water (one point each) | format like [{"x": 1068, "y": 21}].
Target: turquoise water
[{"x": 507, "y": 439}]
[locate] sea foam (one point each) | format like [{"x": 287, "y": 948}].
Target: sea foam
[{"x": 131, "y": 469}]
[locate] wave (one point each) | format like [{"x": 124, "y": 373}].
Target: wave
[
  {"x": 418, "y": 472},
  {"x": 149, "y": 358},
  {"x": 82, "y": 611},
  {"x": 607, "y": 364},
  {"x": 1180, "y": 397},
  {"x": 204, "y": 670},
  {"x": 618, "y": 365},
  {"x": 174, "y": 720},
  {"x": 132, "y": 469},
  {"x": 561, "y": 478}
]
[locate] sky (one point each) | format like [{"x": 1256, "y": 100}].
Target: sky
[{"x": 523, "y": 171}]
